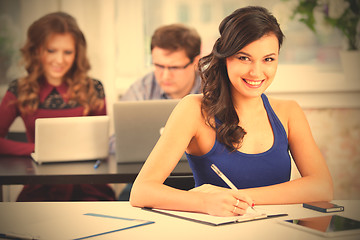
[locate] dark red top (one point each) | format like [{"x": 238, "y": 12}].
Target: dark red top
[{"x": 53, "y": 103}]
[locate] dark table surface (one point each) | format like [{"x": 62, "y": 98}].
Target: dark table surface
[{"x": 23, "y": 170}]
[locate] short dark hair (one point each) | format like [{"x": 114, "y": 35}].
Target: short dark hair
[{"x": 176, "y": 37}]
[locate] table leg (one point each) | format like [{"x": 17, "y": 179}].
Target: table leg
[{"x": 1, "y": 192}]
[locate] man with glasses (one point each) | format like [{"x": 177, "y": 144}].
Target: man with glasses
[{"x": 175, "y": 51}]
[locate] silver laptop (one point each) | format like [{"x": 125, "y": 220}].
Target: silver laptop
[
  {"x": 71, "y": 139},
  {"x": 138, "y": 125}
]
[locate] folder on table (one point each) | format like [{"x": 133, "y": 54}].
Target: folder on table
[{"x": 81, "y": 226}]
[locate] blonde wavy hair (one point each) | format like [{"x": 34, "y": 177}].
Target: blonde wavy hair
[{"x": 81, "y": 87}]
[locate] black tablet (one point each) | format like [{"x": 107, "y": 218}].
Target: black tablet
[{"x": 329, "y": 225}]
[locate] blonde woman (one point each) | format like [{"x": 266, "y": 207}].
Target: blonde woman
[{"x": 56, "y": 85}]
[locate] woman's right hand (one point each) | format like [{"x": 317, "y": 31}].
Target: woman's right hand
[{"x": 224, "y": 202}]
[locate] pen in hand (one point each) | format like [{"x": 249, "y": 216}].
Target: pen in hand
[
  {"x": 226, "y": 180},
  {"x": 223, "y": 177}
]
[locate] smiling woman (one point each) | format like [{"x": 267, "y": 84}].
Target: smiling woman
[
  {"x": 255, "y": 65},
  {"x": 57, "y": 57},
  {"x": 56, "y": 85},
  {"x": 45, "y": 54},
  {"x": 235, "y": 126}
]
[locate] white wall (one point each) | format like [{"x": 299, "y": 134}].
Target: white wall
[{"x": 115, "y": 31}]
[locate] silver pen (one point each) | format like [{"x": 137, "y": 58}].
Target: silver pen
[{"x": 225, "y": 179}]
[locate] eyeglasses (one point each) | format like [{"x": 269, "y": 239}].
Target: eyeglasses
[{"x": 160, "y": 67}]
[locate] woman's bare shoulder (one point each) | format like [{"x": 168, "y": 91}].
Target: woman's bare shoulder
[
  {"x": 284, "y": 105},
  {"x": 190, "y": 103},
  {"x": 188, "y": 109},
  {"x": 288, "y": 111},
  {"x": 192, "y": 99}
]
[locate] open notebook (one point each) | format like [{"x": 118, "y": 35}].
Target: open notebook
[{"x": 251, "y": 215}]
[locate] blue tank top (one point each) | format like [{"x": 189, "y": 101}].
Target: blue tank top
[{"x": 246, "y": 170}]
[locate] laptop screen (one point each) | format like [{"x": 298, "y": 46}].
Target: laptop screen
[
  {"x": 138, "y": 126},
  {"x": 71, "y": 138}
]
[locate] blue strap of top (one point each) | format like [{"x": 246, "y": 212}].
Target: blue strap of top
[{"x": 246, "y": 170}]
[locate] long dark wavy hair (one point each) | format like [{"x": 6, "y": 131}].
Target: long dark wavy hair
[
  {"x": 243, "y": 26},
  {"x": 81, "y": 87}
]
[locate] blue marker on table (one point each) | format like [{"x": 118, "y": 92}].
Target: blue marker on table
[{"x": 97, "y": 164}]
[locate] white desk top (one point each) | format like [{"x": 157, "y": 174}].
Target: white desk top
[{"x": 165, "y": 227}]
